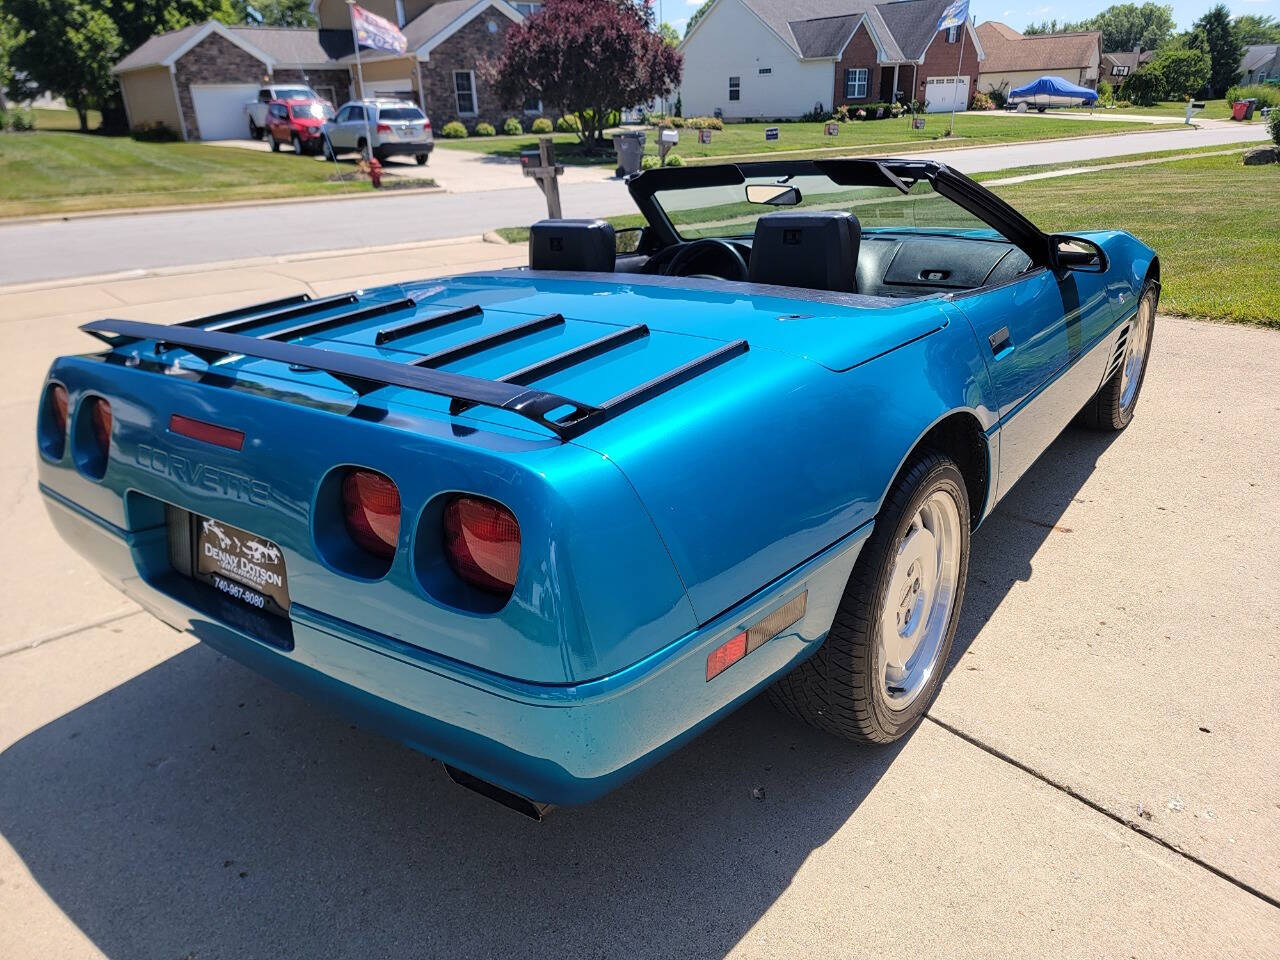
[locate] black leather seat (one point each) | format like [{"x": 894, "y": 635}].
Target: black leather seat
[
  {"x": 572, "y": 245},
  {"x": 816, "y": 250}
]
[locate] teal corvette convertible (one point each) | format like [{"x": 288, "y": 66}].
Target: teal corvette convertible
[{"x": 547, "y": 524}]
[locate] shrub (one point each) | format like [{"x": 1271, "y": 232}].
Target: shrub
[
  {"x": 675, "y": 160},
  {"x": 1266, "y": 95},
  {"x": 1145, "y": 86},
  {"x": 541, "y": 125},
  {"x": 650, "y": 162},
  {"x": 997, "y": 97},
  {"x": 20, "y": 120},
  {"x": 1273, "y": 126},
  {"x": 511, "y": 127},
  {"x": 156, "y": 132},
  {"x": 860, "y": 113},
  {"x": 704, "y": 123},
  {"x": 1106, "y": 92},
  {"x": 569, "y": 123},
  {"x": 982, "y": 102},
  {"x": 454, "y": 130},
  {"x": 485, "y": 129}
]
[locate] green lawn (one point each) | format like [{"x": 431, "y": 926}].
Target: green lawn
[
  {"x": 53, "y": 172},
  {"x": 1213, "y": 110},
  {"x": 746, "y": 139},
  {"x": 1211, "y": 219},
  {"x": 64, "y": 119}
]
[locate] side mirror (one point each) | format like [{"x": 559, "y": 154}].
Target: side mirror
[
  {"x": 628, "y": 240},
  {"x": 1076, "y": 253},
  {"x": 774, "y": 194}
]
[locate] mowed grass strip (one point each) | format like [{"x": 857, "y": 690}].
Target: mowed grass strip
[
  {"x": 55, "y": 173},
  {"x": 746, "y": 139}
]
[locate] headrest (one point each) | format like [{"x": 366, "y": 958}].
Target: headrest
[
  {"x": 572, "y": 245},
  {"x": 817, "y": 250}
]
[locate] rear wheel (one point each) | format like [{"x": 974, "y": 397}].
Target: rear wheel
[
  {"x": 881, "y": 664},
  {"x": 275, "y": 144},
  {"x": 421, "y": 158},
  {"x": 1112, "y": 406}
]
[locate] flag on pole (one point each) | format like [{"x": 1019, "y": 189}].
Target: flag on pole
[
  {"x": 374, "y": 31},
  {"x": 956, "y": 14}
]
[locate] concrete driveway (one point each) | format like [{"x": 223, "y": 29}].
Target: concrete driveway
[{"x": 1097, "y": 779}]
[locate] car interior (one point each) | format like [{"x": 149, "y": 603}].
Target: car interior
[{"x": 815, "y": 250}]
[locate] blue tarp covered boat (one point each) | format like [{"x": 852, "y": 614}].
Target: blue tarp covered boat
[{"x": 1053, "y": 87}]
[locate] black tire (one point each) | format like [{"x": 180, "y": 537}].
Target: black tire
[
  {"x": 297, "y": 145},
  {"x": 255, "y": 131},
  {"x": 421, "y": 158},
  {"x": 275, "y": 144},
  {"x": 362, "y": 148},
  {"x": 329, "y": 153},
  {"x": 837, "y": 689},
  {"x": 1108, "y": 410}
]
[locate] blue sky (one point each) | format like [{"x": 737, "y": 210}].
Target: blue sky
[{"x": 1018, "y": 13}]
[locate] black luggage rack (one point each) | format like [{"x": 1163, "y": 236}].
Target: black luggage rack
[{"x": 223, "y": 335}]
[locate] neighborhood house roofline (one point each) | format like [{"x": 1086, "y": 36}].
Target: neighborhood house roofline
[
  {"x": 168, "y": 48},
  {"x": 1011, "y": 52},
  {"x": 886, "y": 46},
  {"x": 440, "y": 34}
]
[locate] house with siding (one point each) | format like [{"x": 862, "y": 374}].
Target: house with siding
[
  {"x": 195, "y": 81},
  {"x": 1120, "y": 66},
  {"x": 1014, "y": 60},
  {"x": 771, "y": 59},
  {"x": 1260, "y": 63}
]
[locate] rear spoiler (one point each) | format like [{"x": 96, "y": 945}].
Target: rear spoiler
[{"x": 216, "y": 338}]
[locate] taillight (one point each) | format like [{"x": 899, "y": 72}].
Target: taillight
[
  {"x": 482, "y": 542},
  {"x": 427, "y": 125},
  {"x": 371, "y": 510},
  {"x": 58, "y": 404},
  {"x": 384, "y": 128},
  {"x": 100, "y": 419}
]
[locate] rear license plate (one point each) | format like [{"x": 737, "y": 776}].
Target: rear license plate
[{"x": 242, "y": 565}]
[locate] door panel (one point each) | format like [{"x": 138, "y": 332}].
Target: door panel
[{"x": 1031, "y": 331}]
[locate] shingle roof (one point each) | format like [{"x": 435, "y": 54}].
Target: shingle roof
[
  {"x": 1258, "y": 55},
  {"x": 434, "y": 19},
  {"x": 1009, "y": 51},
  {"x": 289, "y": 45},
  {"x": 821, "y": 28},
  {"x": 157, "y": 49}
]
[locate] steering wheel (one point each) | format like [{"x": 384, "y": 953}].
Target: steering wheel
[{"x": 691, "y": 251}]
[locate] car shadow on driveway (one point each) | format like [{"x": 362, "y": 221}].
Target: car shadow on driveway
[{"x": 198, "y": 810}]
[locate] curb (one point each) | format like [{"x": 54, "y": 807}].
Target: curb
[
  {"x": 237, "y": 264},
  {"x": 222, "y": 205}
]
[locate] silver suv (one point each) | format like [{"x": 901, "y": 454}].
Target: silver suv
[{"x": 390, "y": 127}]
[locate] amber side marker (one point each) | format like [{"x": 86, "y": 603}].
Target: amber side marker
[
  {"x": 741, "y": 644},
  {"x": 206, "y": 432}
]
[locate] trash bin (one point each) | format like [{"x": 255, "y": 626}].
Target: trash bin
[
  {"x": 1238, "y": 110},
  {"x": 629, "y": 145},
  {"x": 1251, "y": 104}
]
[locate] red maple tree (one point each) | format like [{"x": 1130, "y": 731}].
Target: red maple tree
[{"x": 587, "y": 57}]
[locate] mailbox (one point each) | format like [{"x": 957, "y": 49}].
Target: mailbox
[{"x": 530, "y": 160}]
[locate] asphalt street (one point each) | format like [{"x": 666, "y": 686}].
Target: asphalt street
[
  {"x": 1098, "y": 777},
  {"x": 49, "y": 250}
]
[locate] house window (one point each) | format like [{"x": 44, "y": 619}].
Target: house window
[
  {"x": 527, "y": 8},
  {"x": 735, "y": 88},
  {"x": 1119, "y": 71},
  {"x": 533, "y": 104},
  {"x": 953, "y": 34},
  {"x": 855, "y": 83},
  {"x": 765, "y": 71},
  {"x": 464, "y": 89}
]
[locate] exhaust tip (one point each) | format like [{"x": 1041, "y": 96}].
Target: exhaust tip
[{"x": 512, "y": 801}]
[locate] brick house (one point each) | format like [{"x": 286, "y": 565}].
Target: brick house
[
  {"x": 195, "y": 81},
  {"x": 1014, "y": 60},
  {"x": 784, "y": 58}
]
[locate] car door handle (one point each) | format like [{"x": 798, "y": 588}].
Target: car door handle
[{"x": 1000, "y": 341}]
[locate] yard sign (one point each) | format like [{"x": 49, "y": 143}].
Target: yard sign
[
  {"x": 832, "y": 129},
  {"x": 771, "y": 133}
]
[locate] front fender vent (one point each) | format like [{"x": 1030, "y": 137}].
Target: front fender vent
[{"x": 1117, "y": 358}]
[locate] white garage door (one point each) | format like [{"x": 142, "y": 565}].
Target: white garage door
[
  {"x": 942, "y": 93},
  {"x": 220, "y": 109}
]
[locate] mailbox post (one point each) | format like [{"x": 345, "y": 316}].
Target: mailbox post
[
  {"x": 541, "y": 165},
  {"x": 666, "y": 140}
]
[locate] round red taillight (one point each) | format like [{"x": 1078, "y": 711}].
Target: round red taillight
[
  {"x": 100, "y": 419},
  {"x": 482, "y": 541},
  {"x": 58, "y": 404},
  {"x": 371, "y": 510}
]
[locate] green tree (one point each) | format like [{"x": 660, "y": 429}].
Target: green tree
[
  {"x": 1257, "y": 28},
  {"x": 1048, "y": 26},
  {"x": 11, "y": 37},
  {"x": 275, "y": 13},
  {"x": 669, "y": 34},
  {"x": 1214, "y": 34},
  {"x": 697, "y": 15},
  {"x": 70, "y": 49},
  {"x": 1183, "y": 72}
]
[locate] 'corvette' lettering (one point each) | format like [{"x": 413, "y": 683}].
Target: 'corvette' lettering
[{"x": 202, "y": 476}]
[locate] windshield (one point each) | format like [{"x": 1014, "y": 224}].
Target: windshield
[
  {"x": 732, "y": 211},
  {"x": 318, "y": 111},
  {"x": 399, "y": 113},
  {"x": 293, "y": 93}
]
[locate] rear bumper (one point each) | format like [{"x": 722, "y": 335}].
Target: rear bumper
[
  {"x": 404, "y": 149},
  {"x": 553, "y": 743}
]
